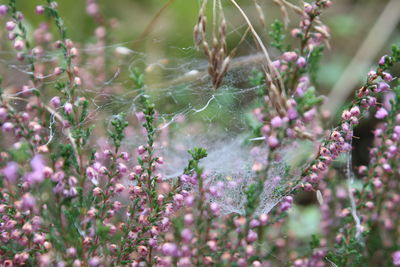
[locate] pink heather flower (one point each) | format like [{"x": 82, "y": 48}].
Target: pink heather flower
[
  {"x": 308, "y": 8},
  {"x": 387, "y": 76},
  {"x": 77, "y": 81},
  {"x": 92, "y": 9},
  {"x": 252, "y": 236},
  {"x": 187, "y": 235},
  {"x": 3, "y": 10},
  {"x": 39, "y": 10},
  {"x": 3, "y": 113},
  {"x": 124, "y": 155},
  {"x": 7, "y": 127},
  {"x": 138, "y": 169},
  {"x": 214, "y": 207},
  {"x": 68, "y": 108},
  {"x": 141, "y": 150},
  {"x": 140, "y": 116},
  {"x": 273, "y": 141},
  {"x": 301, "y": 62},
  {"x": 10, "y": 172},
  {"x": 355, "y": 111},
  {"x": 276, "y": 64},
  {"x": 309, "y": 115},
  {"x": 55, "y": 102},
  {"x": 122, "y": 168},
  {"x": 10, "y": 25},
  {"x": 160, "y": 160},
  {"x": 170, "y": 249},
  {"x": 276, "y": 122},
  {"x": 11, "y": 36},
  {"x": 94, "y": 262},
  {"x": 382, "y": 87},
  {"x": 396, "y": 129},
  {"x": 185, "y": 262},
  {"x": 296, "y": 32},
  {"x": 382, "y": 60},
  {"x": 396, "y": 258},
  {"x": 289, "y": 56},
  {"x": 188, "y": 219},
  {"x": 119, "y": 188},
  {"x": 19, "y": 45},
  {"x": 28, "y": 201},
  {"x": 381, "y": 113}
]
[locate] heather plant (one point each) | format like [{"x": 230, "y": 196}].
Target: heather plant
[{"x": 83, "y": 186}]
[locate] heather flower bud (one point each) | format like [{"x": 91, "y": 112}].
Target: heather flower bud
[
  {"x": 188, "y": 219},
  {"x": 276, "y": 122},
  {"x": 68, "y": 108},
  {"x": 122, "y": 168},
  {"x": 387, "y": 76},
  {"x": 289, "y": 56},
  {"x": 10, "y": 25},
  {"x": 382, "y": 87},
  {"x": 252, "y": 236},
  {"x": 97, "y": 191},
  {"x": 170, "y": 249},
  {"x": 382, "y": 60},
  {"x": 19, "y": 45},
  {"x": 94, "y": 262},
  {"x": 273, "y": 142},
  {"x": 301, "y": 62},
  {"x": 119, "y": 188},
  {"x": 355, "y": 111},
  {"x": 187, "y": 235},
  {"x": 381, "y": 113},
  {"x": 39, "y": 10},
  {"x": 138, "y": 169},
  {"x": 71, "y": 252},
  {"x": 3, "y": 10}
]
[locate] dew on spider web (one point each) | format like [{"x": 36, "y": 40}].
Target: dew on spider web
[{"x": 190, "y": 113}]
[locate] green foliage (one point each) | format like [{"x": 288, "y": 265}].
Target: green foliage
[
  {"x": 22, "y": 153},
  {"x": 252, "y": 195},
  {"x": 277, "y": 35},
  {"x": 119, "y": 124},
  {"x": 257, "y": 79},
  {"x": 314, "y": 61},
  {"x": 197, "y": 154},
  {"x": 393, "y": 59},
  {"x": 66, "y": 152},
  {"x": 138, "y": 78},
  {"x": 309, "y": 100}
]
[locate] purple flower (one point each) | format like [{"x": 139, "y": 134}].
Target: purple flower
[
  {"x": 10, "y": 25},
  {"x": 68, "y": 108},
  {"x": 382, "y": 87},
  {"x": 38, "y": 167},
  {"x": 382, "y": 60},
  {"x": 381, "y": 113},
  {"x": 94, "y": 262},
  {"x": 396, "y": 258},
  {"x": 7, "y": 127},
  {"x": 276, "y": 122},
  {"x": 301, "y": 62},
  {"x": 39, "y": 10},
  {"x": 10, "y": 171},
  {"x": 55, "y": 102},
  {"x": 289, "y": 56},
  {"x": 170, "y": 249},
  {"x": 28, "y": 201},
  {"x": 3, "y": 10}
]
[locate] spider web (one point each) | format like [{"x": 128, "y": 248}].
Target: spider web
[{"x": 190, "y": 113}]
